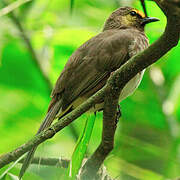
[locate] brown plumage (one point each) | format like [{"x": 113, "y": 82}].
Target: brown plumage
[{"x": 91, "y": 64}]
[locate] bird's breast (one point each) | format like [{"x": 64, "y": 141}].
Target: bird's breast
[
  {"x": 128, "y": 89},
  {"x": 131, "y": 86},
  {"x": 138, "y": 44}
]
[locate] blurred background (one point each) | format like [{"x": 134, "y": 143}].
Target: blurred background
[{"x": 36, "y": 41}]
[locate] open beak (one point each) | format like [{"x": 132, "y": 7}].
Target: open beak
[{"x": 147, "y": 20}]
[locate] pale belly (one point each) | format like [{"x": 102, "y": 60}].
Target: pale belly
[{"x": 129, "y": 88}]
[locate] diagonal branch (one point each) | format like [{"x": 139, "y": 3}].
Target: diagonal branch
[
  {"x": 166, "y": 42},
  {"x": 51, "y": 131},
  {"x": 92, "y": 165},
  {"x": 144, "y": 7},
  {"x": 58, "y": 162}
]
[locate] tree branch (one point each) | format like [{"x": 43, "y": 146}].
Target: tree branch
[
  {"x": 62, "y": 163},
  {"x": 144, "y": 7},
  {"x": 51, "y": 131},
  {"x": 168, "y": 40},
  {"x": 92, "y": 165},
  {"x": 58, "y": 162}
]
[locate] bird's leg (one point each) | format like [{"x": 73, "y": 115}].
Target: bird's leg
[
  {"x": 118, "y": 114},
  {"x": 95, "y": 113}
]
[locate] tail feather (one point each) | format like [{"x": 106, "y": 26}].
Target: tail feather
[{"x": 51, "y": 115}]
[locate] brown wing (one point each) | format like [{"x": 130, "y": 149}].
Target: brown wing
[{"x": 91, "y": 64}]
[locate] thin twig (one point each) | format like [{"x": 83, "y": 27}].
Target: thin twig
[
  {"x": 144, "y": 7},
  {"x": 58, "y": 162},
  {"x": 93, "y": 164}
]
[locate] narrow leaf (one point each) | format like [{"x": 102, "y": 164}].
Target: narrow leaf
[
  {"x": 81, "y": 148},
  {"x": 12, "y": 177},
  {"x": 3, "y": 177},
  {"x": 10, "y": 167}
]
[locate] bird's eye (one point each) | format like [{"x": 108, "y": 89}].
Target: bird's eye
[{"x": 133, "y": 13}]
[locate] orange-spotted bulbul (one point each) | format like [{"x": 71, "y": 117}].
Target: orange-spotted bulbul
[{"x": 89, "y": 67}]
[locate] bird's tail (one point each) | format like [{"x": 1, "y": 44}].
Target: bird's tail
[{"x": 51, "y": 115}]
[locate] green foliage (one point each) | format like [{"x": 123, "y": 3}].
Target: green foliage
[
  {"x": 147, "y": 139},
  {"x": 80, "y": 150},
  {"x": 13, "y": 6},
  {"x": 72, "y": 5},
  {"x": 10, "y": 176}
]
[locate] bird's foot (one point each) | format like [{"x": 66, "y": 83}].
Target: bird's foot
[{"x": 118, "y": 114}]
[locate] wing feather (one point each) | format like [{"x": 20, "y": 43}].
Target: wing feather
[{"x": 92, "y": 64}]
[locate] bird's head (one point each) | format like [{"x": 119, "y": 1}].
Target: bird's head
[{"x": 127, "y": 17}]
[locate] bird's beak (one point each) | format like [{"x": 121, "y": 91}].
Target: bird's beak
[{"x": 147, "y": 20}]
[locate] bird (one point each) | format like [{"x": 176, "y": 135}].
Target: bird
[{"x": 89, "y": 67}]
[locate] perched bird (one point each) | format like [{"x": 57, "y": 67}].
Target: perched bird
[{"x": 89, "y": 67}]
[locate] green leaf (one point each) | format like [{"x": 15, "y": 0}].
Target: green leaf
[
  {"x": 12, "y": 177},
  {"x": 3, "y": 177},
  {"x": 81, "y": 148},
  {"x": 9, "y": 176}
]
